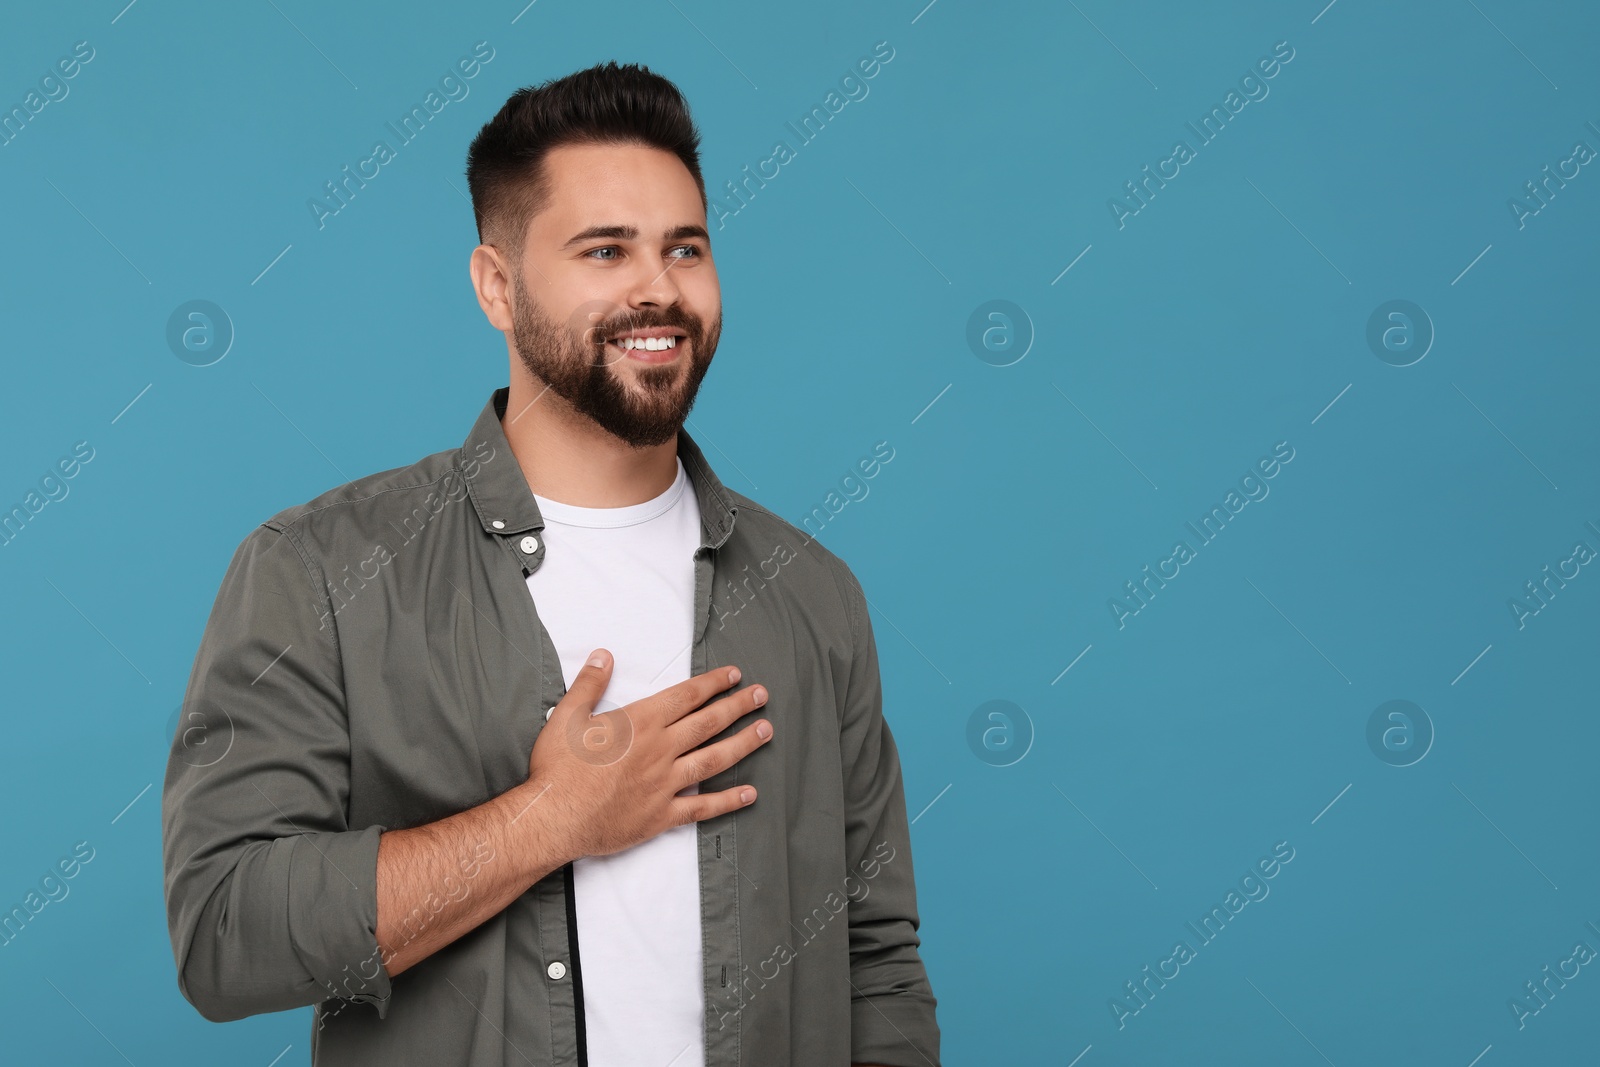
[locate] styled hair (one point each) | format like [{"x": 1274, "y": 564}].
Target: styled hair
[{"x": 605, "y": 104}]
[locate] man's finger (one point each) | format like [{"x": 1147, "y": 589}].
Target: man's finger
[
  {"x": 676, "y": 701},
  {"x": 698, "y": 807},
  {"x": 583, "y": 696}
]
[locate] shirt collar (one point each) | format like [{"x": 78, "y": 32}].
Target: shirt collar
[{"x": 506, "y": 505}]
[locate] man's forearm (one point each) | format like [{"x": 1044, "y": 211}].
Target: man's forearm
[{"x": 442, "y": 880}]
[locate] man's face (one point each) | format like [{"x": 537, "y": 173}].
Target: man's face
[{"x": 621, "y": 248}]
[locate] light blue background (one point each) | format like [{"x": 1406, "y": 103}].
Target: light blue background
[{"x": 1223, "y": 318}]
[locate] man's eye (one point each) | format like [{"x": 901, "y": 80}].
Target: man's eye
[{"x": 694, "y": 252}]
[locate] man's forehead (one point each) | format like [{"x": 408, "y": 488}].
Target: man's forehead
[{"x": 620, "y": 186}]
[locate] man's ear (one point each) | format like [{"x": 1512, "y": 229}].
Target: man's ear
[{"x": 491, "y": 281}]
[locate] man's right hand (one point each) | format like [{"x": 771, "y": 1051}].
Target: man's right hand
[{"x": 607, "y": 782}]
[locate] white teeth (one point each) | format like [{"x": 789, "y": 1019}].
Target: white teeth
[{"x": 649, "y": 344}]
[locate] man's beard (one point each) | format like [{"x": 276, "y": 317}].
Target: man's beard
[{"x": 573, "y": 360}]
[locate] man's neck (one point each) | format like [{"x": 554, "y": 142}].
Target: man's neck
[{"x": 566, "y": 457}]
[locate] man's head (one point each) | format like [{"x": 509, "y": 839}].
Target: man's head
[{"x": 591, "y": 214}]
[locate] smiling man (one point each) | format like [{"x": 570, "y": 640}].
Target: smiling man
[{"x": 551, "y": 748}]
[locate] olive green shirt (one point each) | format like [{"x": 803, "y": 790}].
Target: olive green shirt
[{"x": 374, "y": 660}]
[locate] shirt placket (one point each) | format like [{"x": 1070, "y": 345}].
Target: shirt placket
[
  {"x": 559, "y": 966},
  {"x": 719, "y": 889}
]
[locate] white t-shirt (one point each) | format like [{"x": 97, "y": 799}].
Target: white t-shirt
[{"x": 623, "y": 579}]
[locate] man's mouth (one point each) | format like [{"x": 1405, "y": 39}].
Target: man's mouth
[{"x": 655, "y": 345}]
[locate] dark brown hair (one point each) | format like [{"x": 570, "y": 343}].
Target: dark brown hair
[{"x": 605, "y": 104}]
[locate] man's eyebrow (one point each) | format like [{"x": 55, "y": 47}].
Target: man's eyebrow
[{"x": 631, "y": 233}]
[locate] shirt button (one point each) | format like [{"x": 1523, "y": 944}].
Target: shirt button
[
  {"x": 498, "y": 525},
  {"x": 530, "y": 544},
  {"x": 557, "y": 970},
  {"x": 547, "y": 712}
]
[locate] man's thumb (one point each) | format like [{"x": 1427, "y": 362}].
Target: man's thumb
[
  {"x": 590, "y": 684},
  {"x": 587, "y": 688}
]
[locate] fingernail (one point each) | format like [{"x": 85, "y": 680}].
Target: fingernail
[
  {"x": 747, "y": 795},
  {"x": 599, "y": 659},
  {"x": 763, "y": 729},
  {"x": 760, "y": 694},
  {"x": 733, "y": 673}
]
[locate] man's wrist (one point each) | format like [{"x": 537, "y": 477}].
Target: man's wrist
[{"x": 535, "y": 830}]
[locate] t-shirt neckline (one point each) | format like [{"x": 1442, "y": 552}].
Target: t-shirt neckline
[{"x": 613, "y": 518}]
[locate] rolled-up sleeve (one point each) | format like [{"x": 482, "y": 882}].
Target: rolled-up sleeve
[
  {"x": 271, "y": 895},
  {"x": 892, "y": 1017}
]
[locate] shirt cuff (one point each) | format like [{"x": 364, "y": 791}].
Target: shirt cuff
[{"x": 333, "y": 914}]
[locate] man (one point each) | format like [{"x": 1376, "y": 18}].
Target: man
[{"x": 405, "y": 792}]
